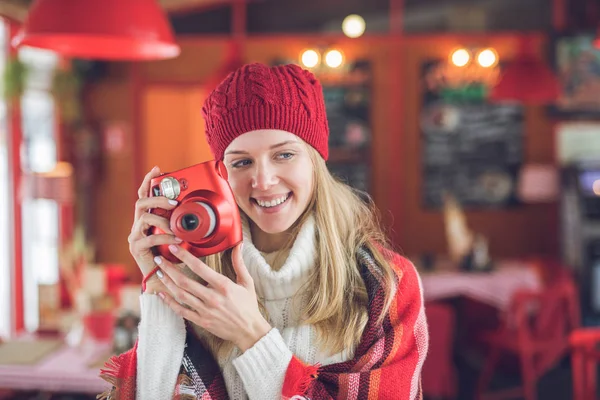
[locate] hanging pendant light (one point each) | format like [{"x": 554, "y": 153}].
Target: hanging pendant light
[
  {"x": 99, "y": 29},
  {"x": 527, "y": 79}
]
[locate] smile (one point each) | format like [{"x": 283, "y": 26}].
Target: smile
[{"x": 274, "y": 202}]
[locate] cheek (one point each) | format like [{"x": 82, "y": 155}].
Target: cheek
[
  {"x": 302, "y": 182},
  {"x": 239, "y": 186}
]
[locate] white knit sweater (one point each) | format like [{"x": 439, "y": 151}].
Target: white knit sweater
[{"x": 259, "y": 372}]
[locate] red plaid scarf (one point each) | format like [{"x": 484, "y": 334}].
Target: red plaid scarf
[{"x": 386, "y": 365}]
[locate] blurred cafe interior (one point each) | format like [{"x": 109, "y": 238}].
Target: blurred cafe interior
[{"x": 474, "y": 125}]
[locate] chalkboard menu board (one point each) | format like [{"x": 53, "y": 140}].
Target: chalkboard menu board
[
  {"x": 347, "y": 102},
  {"x": 473, "y": 151}
]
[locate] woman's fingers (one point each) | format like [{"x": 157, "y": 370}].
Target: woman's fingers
[
  {"x": 178, "y": 282},
  {"x": 144, "y": 188},
  {"x": 140, "y": 246},
  {"x": 189, "y": 313},
  {"x": 220, "y": 282},
  {"x": 146, "y": 203},
  {"x": 140, "y": 243},
  {"x": 243, "y": 276},
  {"x": 147, "y": 221}
]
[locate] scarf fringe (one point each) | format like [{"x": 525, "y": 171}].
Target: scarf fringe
[
  {"x": 185, "y": 388},
  {"x": 110, "y": 372},
  {"x": 298, "y": 378},
  {"x": 119, "y": 371},
  {"x": 310, "y": 374},
  {"x": 108, "y": 394},
  {"x": 184, "y": 396}
]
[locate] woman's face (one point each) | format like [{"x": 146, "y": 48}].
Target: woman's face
[{"x": 271, "y": 175}]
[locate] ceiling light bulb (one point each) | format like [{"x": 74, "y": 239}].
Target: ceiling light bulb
[
  {"x": 487, "y": 58},
  {"x": 309, "y": 58},
  {"x": 334, "y": 58},
  {"x": 460, "y": 57},
  {"x": 353, "y": 26}
]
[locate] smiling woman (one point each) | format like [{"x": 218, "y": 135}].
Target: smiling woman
[{"x": 315, "y": 305}]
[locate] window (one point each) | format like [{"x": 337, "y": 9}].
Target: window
[{"x": 40, "y": 220}]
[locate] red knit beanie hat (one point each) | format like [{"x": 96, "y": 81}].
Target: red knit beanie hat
[{"x": 256, "y": 97}]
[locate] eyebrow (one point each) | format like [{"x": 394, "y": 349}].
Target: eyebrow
[{"x": 271, "y": 147}]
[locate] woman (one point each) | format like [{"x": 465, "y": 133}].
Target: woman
[{"x": 313, "y": 306}]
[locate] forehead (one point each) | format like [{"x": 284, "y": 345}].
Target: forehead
[{"x": 261, "y": 139}]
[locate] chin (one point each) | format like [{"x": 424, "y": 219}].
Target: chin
[{"x": 273, "y": 228}]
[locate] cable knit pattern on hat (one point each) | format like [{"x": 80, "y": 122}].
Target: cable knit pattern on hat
[{"x": 256, "y": 96}]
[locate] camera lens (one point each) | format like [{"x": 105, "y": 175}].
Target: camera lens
[{"x": 189, "y": 222}]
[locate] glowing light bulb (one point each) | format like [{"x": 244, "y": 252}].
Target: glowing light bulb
[
  {"x": 460, "y": 57},
  {"x": 334, "y": 58},
  {"x": 487, "y": 58},
  {"x": 353, "y": 26},
  {"x": 309, "y": 58}
]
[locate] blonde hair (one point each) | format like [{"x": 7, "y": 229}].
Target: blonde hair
[{"x": 344, "y": 223}]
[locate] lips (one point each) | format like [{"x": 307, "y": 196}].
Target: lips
[{"x": 273, "y": 202}]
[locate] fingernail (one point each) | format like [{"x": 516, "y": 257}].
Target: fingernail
[
  {"x": 173, "y": 202},
  {"x": 158, "y": 260},
  {"x": 155, "y": 168},
  {"x": 160, "y": 274},
  {"x": 161, "y": 295},
  {"x": 173, "y": 248},
  {"x": 178, "y": 240}
]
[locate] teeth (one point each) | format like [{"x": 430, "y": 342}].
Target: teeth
[{"x": 272, "y": 203}]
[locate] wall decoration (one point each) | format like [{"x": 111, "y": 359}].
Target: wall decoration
[
  {"x": 578, "y": 142},
  {"x": 577, "y": 62}
]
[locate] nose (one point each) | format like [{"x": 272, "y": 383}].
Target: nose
[{"x": 264, "y": 176}]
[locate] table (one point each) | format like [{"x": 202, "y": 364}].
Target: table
[
  {"x": 495, "y": 288},
  {"x": 64, "y": 370}
]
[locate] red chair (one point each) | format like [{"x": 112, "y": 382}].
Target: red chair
[
  {"x": 536, "y": 330},
  {"x": 438, "y": 377},
  {"x": 584, "y": 362}
]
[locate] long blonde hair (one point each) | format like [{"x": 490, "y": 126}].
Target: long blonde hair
[{"x": 344, "y": 223}]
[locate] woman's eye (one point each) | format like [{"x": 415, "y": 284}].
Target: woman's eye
[
  {"x": 285, "y": 156},
  {"x": 240, "y": 163}
]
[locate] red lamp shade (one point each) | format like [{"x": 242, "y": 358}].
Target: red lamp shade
[
  {"x": 528, "y": 80},
  {"x": 99, "y": 29}
]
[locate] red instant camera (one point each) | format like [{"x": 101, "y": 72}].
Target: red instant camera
[{"x": 206, "y": 217}]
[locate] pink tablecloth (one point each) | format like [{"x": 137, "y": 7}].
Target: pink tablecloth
[
  {"x": 495, "y": 288},
  {"x": 65, "y": 370}
]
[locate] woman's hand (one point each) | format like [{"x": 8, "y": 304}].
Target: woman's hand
[
  {"x": 140, "y": 244},
  {"x": 226, "y": 309}
]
